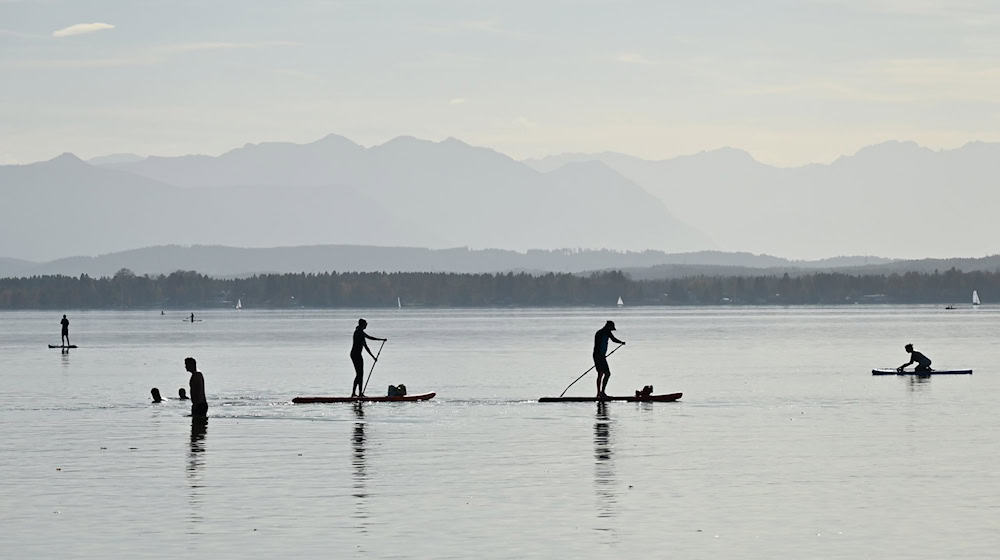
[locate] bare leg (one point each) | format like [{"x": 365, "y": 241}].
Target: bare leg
[{"x": 604, "y": 384}]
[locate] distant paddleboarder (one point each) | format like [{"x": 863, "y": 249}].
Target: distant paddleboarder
[
  {"x": 192, "y": 317},
  {"x": 923, "y": 362},
  {"x": 65, "y": 331},
  {"x": 199, "y": 405},
  {"x": 601, "y": 339},
  {"x": 357, "y": 358}
]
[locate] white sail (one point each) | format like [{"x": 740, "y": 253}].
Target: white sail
[
  {"x": 975, "y": 297},
  {"x": 399, "y": 303},
  {"x": 620, "y": 302},
  {"x": 239, "y": 304}
]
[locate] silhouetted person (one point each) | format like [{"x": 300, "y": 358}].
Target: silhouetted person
[
  {"x": 601, "y": 338},
  {"x": 192, "y": 317},
  {"x": 156, "y": 395},
  {"x": 181, "y": 394},
  {"x": 923, "y": 362},
  {"x": 360, "y": 343},
  {"x": 65, "y": 331},
  {"x": 199, "y": 405}
]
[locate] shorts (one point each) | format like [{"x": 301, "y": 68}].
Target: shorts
[{"x": 601, "y": 364}]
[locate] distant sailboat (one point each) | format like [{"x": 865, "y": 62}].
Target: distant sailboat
[
  {"x": 975, "y": 297},
  {"x": 239, "y": 304},
  {"x": 399, "y": 304},
  {"x": 620, "y": 302}
]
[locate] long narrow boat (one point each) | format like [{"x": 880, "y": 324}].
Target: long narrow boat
[
  {"x": 406, "y": 398},
  {"x": 892, "y": 371},
  {"x": 651, "y": 398}
]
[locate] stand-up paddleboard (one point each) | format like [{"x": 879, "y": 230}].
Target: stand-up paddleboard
[
  {"x": 651, "y": 398},
  {"x": 405, "y": 398},
  {"x": 58, "y": 346},
  {"x": 892, "y": 371}
]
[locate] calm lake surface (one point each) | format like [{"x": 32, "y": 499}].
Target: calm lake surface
[{"x": 784, "y": 445}]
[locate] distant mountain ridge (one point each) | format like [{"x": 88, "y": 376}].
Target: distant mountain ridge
[
  {"x": 236, "y": 261},
  {"x": 406, "y": 192},
  {"x": 891, "y": 198}
]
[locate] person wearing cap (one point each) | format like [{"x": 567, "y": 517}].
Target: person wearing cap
[
  {"x": 923, "y": 362},
  {"x": 601, "y": 339},
  {"x": 360, "y": 343}
]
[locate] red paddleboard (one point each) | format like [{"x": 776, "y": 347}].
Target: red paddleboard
[
  {"x": 651, "y": 398},
  {"x": 406, "y": 398}
]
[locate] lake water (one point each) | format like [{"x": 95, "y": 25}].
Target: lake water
[{"x": 784, "y": 445}]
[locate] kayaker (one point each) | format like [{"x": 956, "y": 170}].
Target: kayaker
[
  {"x": 357, "y": 358},
  {"x": 199, "y": 404},
  {"x": 923, "y": 362},
  {"x": 601, "y": 339}
]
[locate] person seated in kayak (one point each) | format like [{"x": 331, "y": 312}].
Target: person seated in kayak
[
  {"x": 360, "y": 343},
  {"x": 923, "y": 362},
  {"x": 601, "y": 339}
]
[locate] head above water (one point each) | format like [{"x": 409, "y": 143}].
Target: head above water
[
  {"x": 156, "y": 394},
  {"x": 362, "y": 323},
  {"x": 190, "y": 365},
  {"x": 908, "y": 348},
  {"x": 182, "y": 394},
  {"x": 610, "y": 325}
]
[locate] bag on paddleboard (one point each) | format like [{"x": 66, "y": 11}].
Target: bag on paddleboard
[
  {"x": 645, "y": 392},
  {"x": 397, "y": 390}
]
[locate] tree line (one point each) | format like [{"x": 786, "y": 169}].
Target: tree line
[{"x": 188, "y": 289}]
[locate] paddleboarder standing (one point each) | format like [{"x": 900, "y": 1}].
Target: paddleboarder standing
[
  {"x": 923, "y": 362},
  {"x": 361, "y": 339},
  {"x": 199, "y": 404},
  {"x": 65, "y": 330},
  {"x": 601, "y": 339}
]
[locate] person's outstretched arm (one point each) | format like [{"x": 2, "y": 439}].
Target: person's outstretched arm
[
  {"x": 612, "y": 337},
  {"x": 902, "y": 367},
  {"x": 370, "y": 337}
]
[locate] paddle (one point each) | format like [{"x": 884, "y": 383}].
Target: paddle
[
  {"x": 588, "y": 371},
  {"x": 377, "y": 354}
]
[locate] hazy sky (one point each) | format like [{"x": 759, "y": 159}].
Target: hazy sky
[{"x": 790, "y": 81}]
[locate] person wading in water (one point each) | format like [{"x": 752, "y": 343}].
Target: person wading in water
[
  {"x": 601, "y": 338},
  {"x": 360, "y": 343}
]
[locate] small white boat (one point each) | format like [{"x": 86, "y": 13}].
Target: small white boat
[
  {"x": 620, "y": 302},
  {"x": 239, "y": 304},
  {"x": 975, "y": 297}
]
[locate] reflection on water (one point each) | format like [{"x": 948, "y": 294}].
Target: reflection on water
[
  {"x": 918, "y": 382},
  {"x": 604, "y": 468},
  {"x": 195, "y": 466},
  {"x": 65, "y": 356},
  {"x": 360, "y": 472}
]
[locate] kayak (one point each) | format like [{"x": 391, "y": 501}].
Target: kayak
[
  {"x": 892, "y": 371},
  {"x": 57, "y": 346},
  {"x": 406, "y": 398},
  {"x": 651, "y": 398}
]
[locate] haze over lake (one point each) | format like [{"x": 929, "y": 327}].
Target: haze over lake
[{"x": 483, "y": 182}]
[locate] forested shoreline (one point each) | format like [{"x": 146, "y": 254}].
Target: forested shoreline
[{"x": 188, "y": 289}]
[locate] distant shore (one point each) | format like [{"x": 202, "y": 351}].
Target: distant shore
[{"x": 188, "y": 289}]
